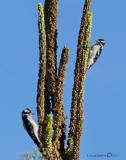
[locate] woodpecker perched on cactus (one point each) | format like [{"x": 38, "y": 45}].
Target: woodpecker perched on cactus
[
  {"x": 30, "y": 126},
  {"x": 95, "y": 52}
]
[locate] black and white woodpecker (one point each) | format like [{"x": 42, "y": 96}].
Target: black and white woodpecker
[
  {"x": 95, "y": 52},
  {"x": 30, "y": 126}
]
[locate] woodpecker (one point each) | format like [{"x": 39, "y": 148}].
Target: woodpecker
[
  {"x": 30, "y": 126},
  {"x": 95, "y": 52}
]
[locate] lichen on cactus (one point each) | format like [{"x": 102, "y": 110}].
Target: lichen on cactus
[
  {"x": 87, "y": 38},
  {"x": 48, "y": 133}
]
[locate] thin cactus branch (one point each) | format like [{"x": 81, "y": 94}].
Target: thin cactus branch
[
  {"x": 42, "y": 71},
  {"x": 77, "y": 73},
  {"x": 83, "y": 69},
  {"x": 58, "y": 110},
  {"x": 51, "y": 14}
]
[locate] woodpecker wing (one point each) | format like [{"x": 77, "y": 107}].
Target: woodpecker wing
[
  {"x": 97, "y": 54},
  {"x": 94, "y": 53},
  {"x": 29, "y": 128}
]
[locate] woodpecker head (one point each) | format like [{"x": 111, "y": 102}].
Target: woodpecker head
[
  {"x": 27, "y": 113},
  {"x": 101, "y": 42}
]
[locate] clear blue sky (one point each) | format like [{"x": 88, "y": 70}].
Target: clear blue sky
[{"x": 105, "y": 88}]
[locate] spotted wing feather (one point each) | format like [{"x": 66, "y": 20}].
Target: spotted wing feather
[
  {"x": 29, "y": 128},
  {"x": 97, "y": 55}
]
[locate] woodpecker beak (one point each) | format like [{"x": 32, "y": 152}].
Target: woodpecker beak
[{"x": 32, "y": 113}]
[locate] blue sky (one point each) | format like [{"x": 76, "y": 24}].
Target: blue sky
[{"x": 104, "y": 106}]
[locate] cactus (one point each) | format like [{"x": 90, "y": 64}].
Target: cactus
[
  {"x": 52, "y": 128},
  {"x": 55, "y": 146}
]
